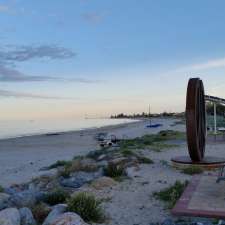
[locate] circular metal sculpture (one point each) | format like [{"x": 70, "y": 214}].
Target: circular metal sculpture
[{"x": 195, "y": 119}]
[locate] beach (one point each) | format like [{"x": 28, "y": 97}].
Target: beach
[{"x": 22, "y": 159}]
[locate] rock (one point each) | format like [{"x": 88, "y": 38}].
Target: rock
[
  {"x": 168, "y": 222},
  {"x": 103, "y": 163},
  {"x": 119, "y": 160},
  {"x": 221, "y": 222},
  {"x": 101, "y": 157},
  {"x": 25, "y": 198},
  {"x": 103, "y": 182},
  {"x": 26, "y": 217},
  {"x": 56, "y": 212},
  {"x": 78, "y": 179},
  {"x": 4, "y": 200},
  {"x": 68, "y": 219},
  {"x": 9, "y": 216},
  {"x": 131, "y": 172}
]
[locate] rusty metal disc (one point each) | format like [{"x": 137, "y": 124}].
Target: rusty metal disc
[{"x": 195, "y": 119}]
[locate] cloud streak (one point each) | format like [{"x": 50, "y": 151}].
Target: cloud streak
[
  {"x": 210, "y": 64},
  {"x": 10, "y": 56},
  {"x": 14, "y": 94}
]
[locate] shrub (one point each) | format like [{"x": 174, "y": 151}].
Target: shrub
[
  {"x": 127, "y": 152},
  {"x": 1, "y": 189},
  {"x": 87, "y": 207},
  {"x": 192, "y": 170},
  {"x": 40, "y": 212},
  {"x": 144, "y": 160},
  {"x": 171, "y": 194},
  {"x": 56, "y": 197},
  {"x": 113, "y": 170},
  {"x": 80, "y": 165},
  {"x": 59, "y": 163},
  {"x": 65, "y": 172}
]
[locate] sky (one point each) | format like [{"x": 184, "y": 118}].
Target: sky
[{"x": 71, "y": 58}]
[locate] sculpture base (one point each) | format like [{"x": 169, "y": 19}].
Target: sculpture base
[{"x": 209, "y": 162}]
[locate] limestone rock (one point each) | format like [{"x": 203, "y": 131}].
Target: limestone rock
[
  {"x": 103, "y": 182},
  {"x": 4, "y": 200},
  {"x": 26, "y": 217},
  {"x": 56, "y": 212},
  {"x": 68, "y": 219},
  {"x": 10, "y": 216}
]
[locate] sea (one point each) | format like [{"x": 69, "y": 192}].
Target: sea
[{"x": 20, "y": 128}]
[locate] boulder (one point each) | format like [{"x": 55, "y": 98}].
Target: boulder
[
  {"x": 25, "y": 198},
  {"x": 10, "y": 216},
  {"x": 26, "y": 217},
  {"x": 68, "y": 219},
  {"x": 4, "y": 200},
  {"x": 78, "y": 179},
  {"x": 103, "y": 182},
  {"x": 55, "y": 213}
]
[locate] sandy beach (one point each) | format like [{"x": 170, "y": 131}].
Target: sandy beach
[{"x": 21, "y": 159}]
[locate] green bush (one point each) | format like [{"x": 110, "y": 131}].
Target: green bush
[
  {"x": 191, "y": 170},
  {"x": 114, "y": 170},
  {"x": 40, "y": 212},
  {"x": 127, "y": 152},
  {"x": 144, "y": 160},
  {"x": 56, "y": 197},
  {"x": 171, "y": 194},
  {"x": 87, "y": 207},
  {"x": 59, "y": 163}
]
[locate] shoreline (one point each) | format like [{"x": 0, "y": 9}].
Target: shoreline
[{"x": 55, "y": 133}]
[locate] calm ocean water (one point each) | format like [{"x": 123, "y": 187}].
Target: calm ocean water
[{"x": 10, "y": 129}]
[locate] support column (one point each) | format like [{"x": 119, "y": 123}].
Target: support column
[{"x": 215, "y": 121}]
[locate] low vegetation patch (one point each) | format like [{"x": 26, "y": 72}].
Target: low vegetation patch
[
  {"x": 40, "y": 212},
  {"x": 171, "y": 194},
  {"x": 144, "y": 160},
  {"x": 59, "y": 163},
  {"x": 87, "y": 206},
  {"x": 191, "y": 170},
  {"x": 153, "y": 141},
  {"x": 57, "y": 196},
  {"x": 114, "y": 170},
  {"x": 77, "y": 165}
]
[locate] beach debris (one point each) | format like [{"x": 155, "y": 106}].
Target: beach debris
[
  {"x": 10, "y": 216},
  {"x": 26, "y": 216}
]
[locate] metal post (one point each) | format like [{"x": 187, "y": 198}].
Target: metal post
[{"x": 215, "y": 123}]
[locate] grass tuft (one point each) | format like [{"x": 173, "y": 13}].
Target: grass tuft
[
  {"x": 113, "y": 170},
  {"x": 171, "y": 194},
  {"x": 87, "y": 207},
  {"x": 191, "y": 170},
  {"x": 57, "y": 196},
  {"x": 40, "y": 212}
]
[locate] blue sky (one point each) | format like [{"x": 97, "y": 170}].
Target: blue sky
[{"x": 75, "y": 57}]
